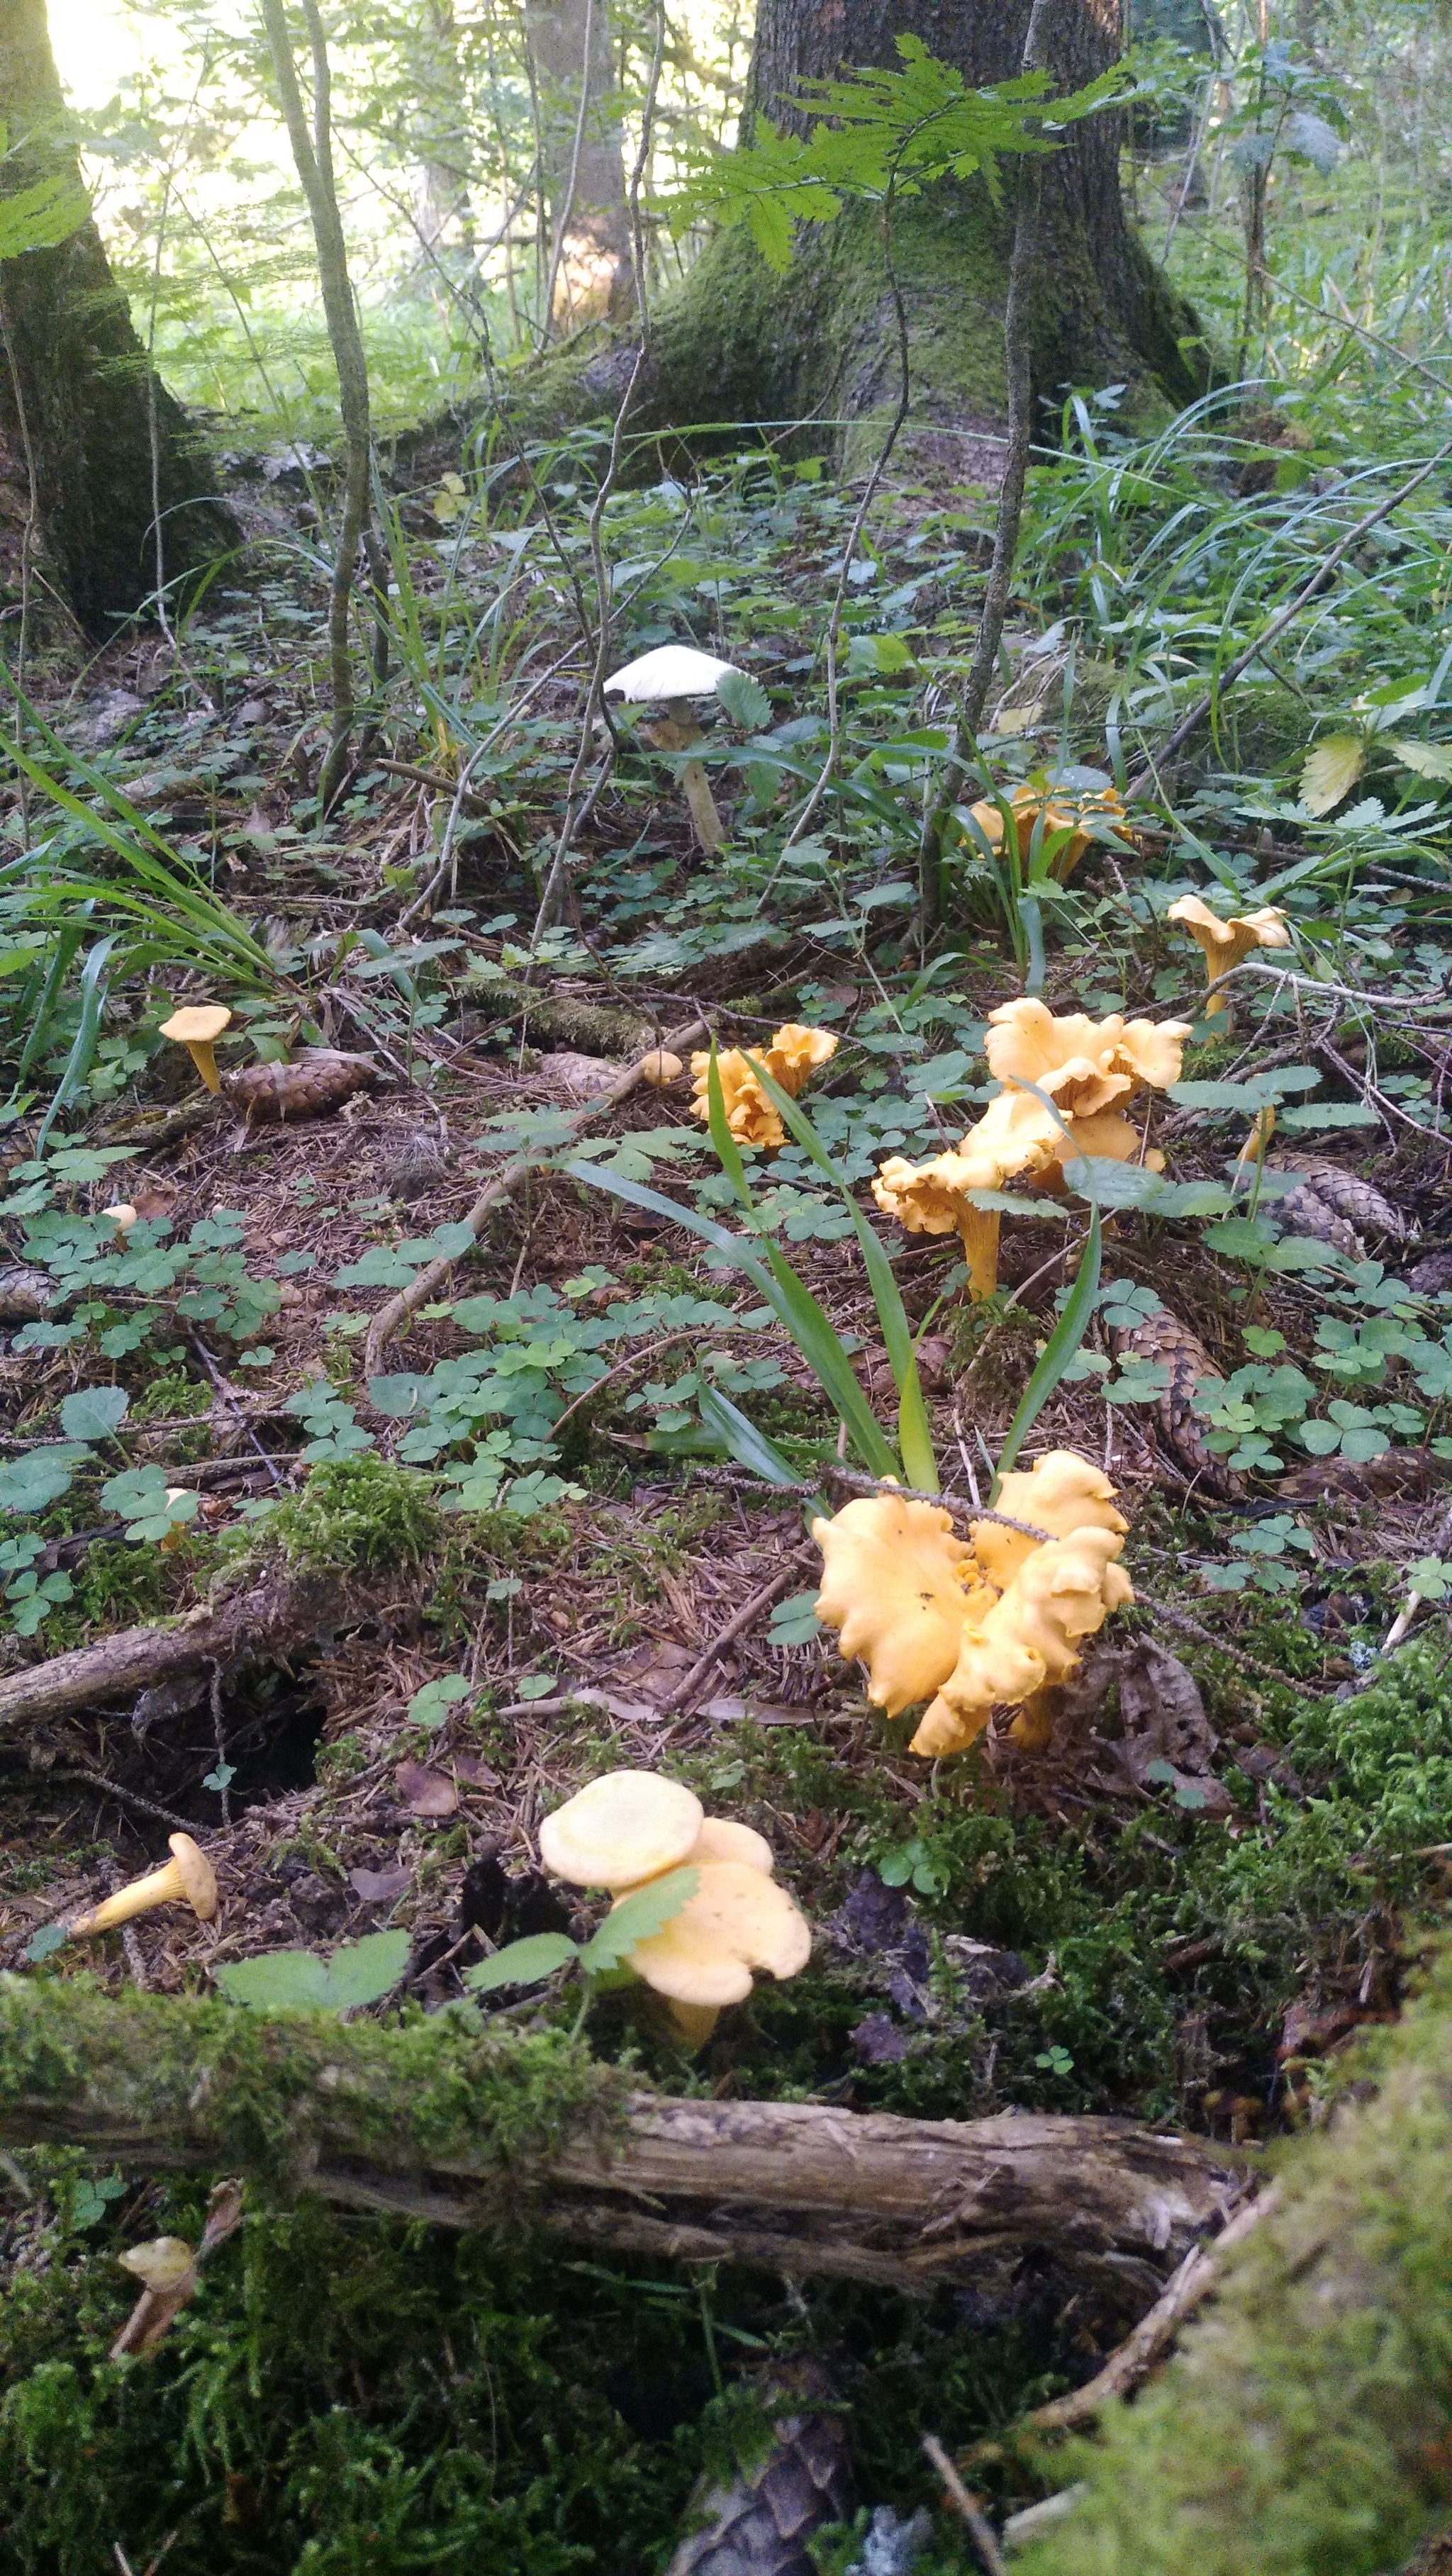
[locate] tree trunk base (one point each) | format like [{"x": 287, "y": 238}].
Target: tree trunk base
[{"x": 810, "y": 356}]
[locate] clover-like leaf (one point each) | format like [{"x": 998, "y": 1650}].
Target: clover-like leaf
[
  {"x": 94, "y": 1412},
  {"x": 638, "y": 1918},
  {"x": 522, "y": 1963}
]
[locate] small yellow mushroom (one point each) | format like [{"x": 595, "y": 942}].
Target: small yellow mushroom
[
  {"x": 620, "y": 1829},
  {"x": 198, "y": 1029},
  {"x": 1224, "y": 944},
  {"x": 122, "y": 1215},
  {"x": 791, "y": 1059},
  {"x": 895, "y": 1586},
  {"x": 661, "y": 1068},
  {"x": 164, "y": 2264},
  {"x": 188, "y": 1878},
  {"x": 1062, "y": 812},
  {"x": 1016, "y": 1134},
  {"x": 738, "y": 1920}
]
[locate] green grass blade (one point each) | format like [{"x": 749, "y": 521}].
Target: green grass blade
[
  {"x": 83, "y": 1045},
  {"x": 804, "y": 1318},
  {"x": 742, "y": 1441},
  {"x": 1059, "y": 1350},
  {"x": 915, "y": 1438},
  {"x": 636, "y": 1194}
]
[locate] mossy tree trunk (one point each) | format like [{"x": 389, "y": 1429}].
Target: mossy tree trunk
[
  {"x": 110, "y": 452},
  {"x": 737, "y": 342}
]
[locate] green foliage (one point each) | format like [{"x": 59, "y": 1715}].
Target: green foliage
[
  {"x": 634, "y": 1919},
  {"x": 357, "y": 1514},
  {"x": 1305, "y": 2423},
  {"x": 881, "y": 133},
  {"x": 362, "y": 1972}
]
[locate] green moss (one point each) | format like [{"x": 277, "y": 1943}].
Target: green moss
[
  {"x": 1307, "y": 2425},
  {"x": 354, "y": 1514}
]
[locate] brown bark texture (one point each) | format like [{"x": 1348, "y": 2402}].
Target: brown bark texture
[
  {"x": 583, "y": 165},
  {"x": 77, "y": 399},
  {"x": 267, "y": 1619},
  {"x": 470, "y": 2130}
]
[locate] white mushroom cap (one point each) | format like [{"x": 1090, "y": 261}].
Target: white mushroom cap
[
  {"x": 736, "y": 1921},
  {"x": 671, "y": 671},
  {"x": 721, "y": 1839},
  {"x": 622, "y": 1828}
]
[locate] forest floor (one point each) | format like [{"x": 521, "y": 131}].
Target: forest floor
[{"x": 1181, "y": 1910}]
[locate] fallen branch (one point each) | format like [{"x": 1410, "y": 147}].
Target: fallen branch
[
  {"x": 467, "y": 2128},
  {"x": 1134, "y": 2359},
  {"x": 267, "y": 1619},
  {"x": 429, "y": 1280}
]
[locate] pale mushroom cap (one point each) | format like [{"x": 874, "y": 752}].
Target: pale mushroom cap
[
  {"x": 670, "y": 671},
  {"x": 736, "y": 1921},
  {"x": 122, "y": 1215},
  {"x": 163, "y": 2264},
  {"x": 1083, "y": 1064},
  {"x": 620, "y": 1829},
  {"x": 197, "y": 1025},
  {"x": 198, "y": 1878},
  {"x": 660, "y": 1068},
  {"x": 720, "y": 1838}
]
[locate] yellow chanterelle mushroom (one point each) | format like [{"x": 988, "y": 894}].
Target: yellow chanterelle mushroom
[
  {"x": 198, "y": 1029},
  {"x": 188, "y": 1878},
  {"x": 791, "y": 1059},
  {"x": 630, "y": 1827},
  {"x": 1225, "y": 944}
]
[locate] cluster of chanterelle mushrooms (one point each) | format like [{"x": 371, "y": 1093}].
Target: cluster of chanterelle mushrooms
[
  {"x": 630, "y": 1827},
  {"x": 995, "y": 1621},
  {"x": 1091, "y": 1070}
]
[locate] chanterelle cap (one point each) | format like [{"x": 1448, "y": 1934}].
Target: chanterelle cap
[
  {"x": 198, "y": 1023},
  {"x": 622, "y": 1828},
  {"x": 670, "y": 671}
]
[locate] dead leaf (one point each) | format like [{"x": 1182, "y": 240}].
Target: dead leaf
[
  {"x": 424, "y": 1792},
  {"x": 380, "y": 1886},
  {"x": 1331, "y": 771},
  {"x": 1168, "y": 1740},
  {"x": 474, "y": 1770}
]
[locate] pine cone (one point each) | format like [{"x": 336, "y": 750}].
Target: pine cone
[
  {"x": 1304, "y": 1211},
  {"x": 319, "y": 1079},
  {"x": 1163, "y": 1338},
  {"x": 761, "y": 2524}
]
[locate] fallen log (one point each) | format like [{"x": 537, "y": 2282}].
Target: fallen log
[
  {"x": 447, "y": 2119},
  {"x": 268, "y": 1618}
]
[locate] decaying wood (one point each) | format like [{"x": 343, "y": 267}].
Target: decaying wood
[
  {"x": 267, "y": 1619},
  {"x": 1163, "y": 1338},
  {"x": 797, "y": 2187},
  {"x": 429, "y": 1280},
  {"x": 1135, "y": 2358},
  {"x": 317, "y": 1080}
]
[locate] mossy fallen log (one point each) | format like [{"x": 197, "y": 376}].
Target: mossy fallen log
[
  {"x": 441, "y": 2118},
  {"x": 1306, "y": 2425}
]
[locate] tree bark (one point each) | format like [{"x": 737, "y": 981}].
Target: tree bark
[
  {"x": 737, "y": 342},
  {"x": 583, "y": 165},
  {"x": 77, "y": 396},
  {"x": 468, "y": 2129}
]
